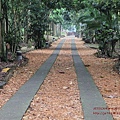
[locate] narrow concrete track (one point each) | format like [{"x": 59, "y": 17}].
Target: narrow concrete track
[
  {"x": 15, "y": 108},
  {"x": 90, "y": 96},
  {"x": 94, "y": 107}
]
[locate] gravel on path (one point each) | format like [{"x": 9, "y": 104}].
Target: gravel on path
[{"x": 58, "y": 97}]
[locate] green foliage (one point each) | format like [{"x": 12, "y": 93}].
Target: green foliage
[
  {"x": 100, "y": 14},
  {"x": 38, "y": 22},
  {"x": 24, "y": 19},
  {"x": 56, "y": 15}
]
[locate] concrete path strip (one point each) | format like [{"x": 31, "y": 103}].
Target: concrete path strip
[
  {"x": 93, "y": 104},
  {"x": 15, "y": 108}
]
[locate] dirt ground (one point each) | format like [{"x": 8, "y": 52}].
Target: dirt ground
[{"x": 59, "y": 98}]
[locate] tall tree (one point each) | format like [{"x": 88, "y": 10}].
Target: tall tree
[{"x": 0, "y": 27}]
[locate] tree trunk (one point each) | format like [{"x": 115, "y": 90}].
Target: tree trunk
[{"x": 0, "y": 30}]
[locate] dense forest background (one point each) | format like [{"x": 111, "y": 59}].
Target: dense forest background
[{"x": 28, "y": 21}]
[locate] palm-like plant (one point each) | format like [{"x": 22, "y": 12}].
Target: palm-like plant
[{"x": 102, "y": 17}]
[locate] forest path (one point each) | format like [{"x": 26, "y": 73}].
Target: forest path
[{"x": 91, "y": 99}]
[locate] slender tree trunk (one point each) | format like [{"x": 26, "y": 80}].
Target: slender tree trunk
[
  {"x": 117, "y": 20},
  {"x": 0, "y": 30},
  {"x": 26, "y": 37}
]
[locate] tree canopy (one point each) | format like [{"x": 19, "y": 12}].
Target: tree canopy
[{"x": 24, "y": 20}]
